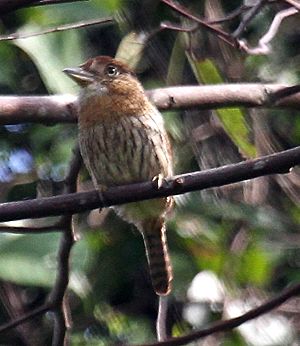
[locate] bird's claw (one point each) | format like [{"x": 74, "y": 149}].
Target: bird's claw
[{"x": 159, "y": 181}]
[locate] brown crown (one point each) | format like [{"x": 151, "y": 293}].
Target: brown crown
[{"x": 98, "y": 64}]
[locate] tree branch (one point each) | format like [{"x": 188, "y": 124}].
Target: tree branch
[
  {"x": 53, "y": 2},
  {"x": 248, "y": 17},
  {"x": 63, "y": 109},
  {"x": 30, "y": 230},
  {"x": 7, "y": 6},
  {"x": 277, "y": 163},
  {"x": 293, "y": 3},
  {"x": 263, "y": 46},
  {"x": 64, "y": 27},
  {"x": 31, "y": 314},
  {"x": 186, "y": 13},
  {"x": 230, "y": 16},
  {"x": 42, "y": 109},
  {"x": 57, "y": 298},
  {"x": 222, "y": 326},
  {"x": 57, "y": 301}
]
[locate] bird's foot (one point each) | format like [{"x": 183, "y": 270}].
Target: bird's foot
[{"x": 159, "y": 181}]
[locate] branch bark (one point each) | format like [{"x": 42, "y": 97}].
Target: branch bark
[
  {"x": 277, "y": 163},
  {"x": 57, "y": 298},
  {"x": 7, "y": 6},
  {"x": 222, "y": 326},
  {"x": 63, "y": 109},
  {"x": 59, "y": 28},
  {"x": 17, "y": 321}
]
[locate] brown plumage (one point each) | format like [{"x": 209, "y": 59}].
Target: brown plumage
[{"x": 123, "y": 140}]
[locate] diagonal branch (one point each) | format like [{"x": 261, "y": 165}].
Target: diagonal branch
[
  {"x": 230, "y": 16},
  {"x": 62, "y": 108},
  {"x": 263, "y": 46},
  {"x": 248, "y": 17},
  {"x": 293, "y": 3},
  {"x": 186, "y": 13},
  {"x": 31, "y": 314},
  {"x": 278, "y": 163},
  {"x": 64, "y": 27},
  {"x": 7, "y": 6},
  {"x": 222, "y": 326}
]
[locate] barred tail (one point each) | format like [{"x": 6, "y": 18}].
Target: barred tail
[{"x": 154, "y": 234}]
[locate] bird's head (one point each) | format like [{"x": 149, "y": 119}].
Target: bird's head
[
  {"x": 104, "y": 75},
  {"x": 109, "y": 88}
]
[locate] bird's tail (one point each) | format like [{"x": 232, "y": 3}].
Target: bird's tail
[{"x": 154, "y": 234}]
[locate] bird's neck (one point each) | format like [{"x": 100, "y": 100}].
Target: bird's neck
[{"x": 111, "y": 106}]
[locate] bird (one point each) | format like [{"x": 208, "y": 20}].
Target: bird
[{"x": 123, "y": 140}]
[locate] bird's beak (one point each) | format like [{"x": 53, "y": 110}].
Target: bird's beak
[{"x": 79, "y": 75}]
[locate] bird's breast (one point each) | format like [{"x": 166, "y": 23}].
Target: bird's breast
[
  {"x": 111, "y": 107},
  {"x": 125, "y": 150}
]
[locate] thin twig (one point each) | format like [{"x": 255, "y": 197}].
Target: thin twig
[
  {"x": 278, "y": 163},
  {"x": 7, "y": 6},
  {"x": 30, "y": 230},
  {"x": 176, "y": 27},
  {"x": 263, "y": 47},
  {"x": 293, "y": 3},
  {"x": 77, "y": 25},
  {"x": 182, "y": 10},
  {"x": 237, "y": 12},
  {"x": 286, "y": 92},
  {"x": 222, "y": 326},
  {"x": 33, "y": 313},
  {"x": 248, "y": 17},
  {"x": 53, "y": 2},
  {"x": 57, "y": 296},
  {"x": 57, "y": 301},
  {"x": 230, "y": 16}
]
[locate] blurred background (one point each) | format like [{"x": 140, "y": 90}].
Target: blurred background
[{"x": 232, "y": 248}]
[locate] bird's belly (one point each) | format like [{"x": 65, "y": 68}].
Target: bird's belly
[{"x": 117, "y": 153}]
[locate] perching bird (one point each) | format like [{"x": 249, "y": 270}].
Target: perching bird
[{"x": 123, "y": 140}]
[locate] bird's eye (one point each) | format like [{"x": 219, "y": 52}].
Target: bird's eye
[{"x": 111, "y": 71}]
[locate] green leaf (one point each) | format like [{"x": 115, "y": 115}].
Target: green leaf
[
  {"x": 25, "y": 270},
  {"x": 131, "y": 49},
  {"x": 31, "y": 259},
  {"x": 176, "y": 64},
  {"x": 28, "y": 259},
  {"x": 232, "y": 119},
  {"x": 51, "y": 54},
  {"x": 255, "y": 266}
]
